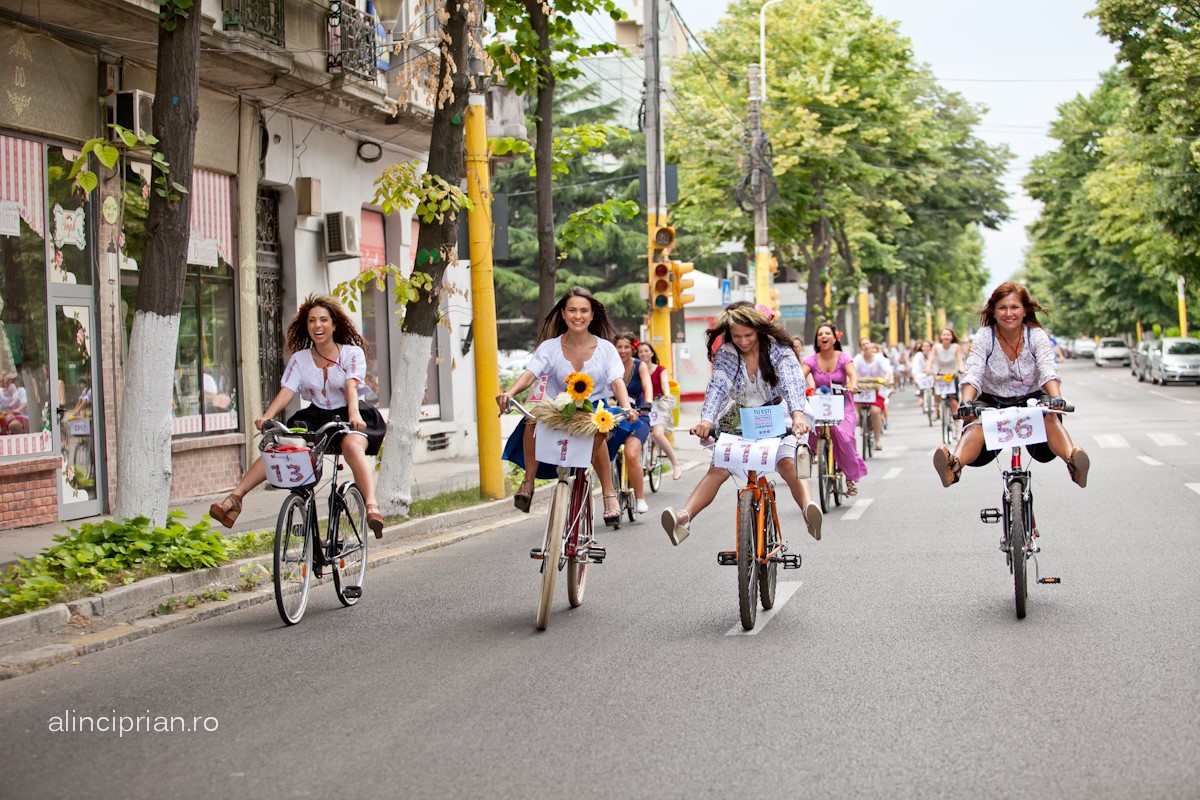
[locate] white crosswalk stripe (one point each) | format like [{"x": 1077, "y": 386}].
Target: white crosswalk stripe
[
  {"x": 1111, "y": 440},
  {"x": 1166, "y": 439},
  {"x": 892, "y": 473},
  {"x": 1195, "y": 487},
  {"x": 859, "y": 508},
  {"x": 1151, "y": 461}
]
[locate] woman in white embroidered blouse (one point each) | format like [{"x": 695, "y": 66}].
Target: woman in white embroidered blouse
[
  {"x": 326, "y": 368},
  {"x": 1011, "y": 361}
]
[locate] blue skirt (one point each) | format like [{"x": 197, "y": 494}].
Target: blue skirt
[{"x": 514, "y": 449}]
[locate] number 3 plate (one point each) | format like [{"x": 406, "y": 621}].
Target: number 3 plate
[{"x": 1010, "y": 427}]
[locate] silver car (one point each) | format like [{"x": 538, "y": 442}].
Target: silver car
[
  {"x": 1175, "y": 359},
  {"x": 1111, "y": 351},
  {"x": 1139, "y": 364}
]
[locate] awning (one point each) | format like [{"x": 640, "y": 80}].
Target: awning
[
  {"x": 212, "y": 218},
  {"x": 372, "y": 247},
  {"x": 22, "y": 186}
]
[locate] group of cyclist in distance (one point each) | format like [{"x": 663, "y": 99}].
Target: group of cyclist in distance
[{"x": 756, "y": 362}]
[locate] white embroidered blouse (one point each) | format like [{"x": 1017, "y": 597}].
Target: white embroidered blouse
[
  {"x": 324, "y": 388},
  {"x": 989, "y": 370},
  {"x": 604, "y": 366}
]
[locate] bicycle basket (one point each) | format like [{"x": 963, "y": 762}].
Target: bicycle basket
[{"x": 291, "y": 466}]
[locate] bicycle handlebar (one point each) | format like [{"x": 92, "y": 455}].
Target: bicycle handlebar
[
  {"x": 525, "y": 412},
  {"x": 973, "y": 411}
]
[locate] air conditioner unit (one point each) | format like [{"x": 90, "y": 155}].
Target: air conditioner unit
[
  {"x": 341, "y": 236},
  {"x": 134, "y": 110}
]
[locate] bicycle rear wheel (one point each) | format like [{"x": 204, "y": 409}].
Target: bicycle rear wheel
[
  {"x": 350, "y": 547},
  {"x": 556, "y": 521},
  {"x": 825, "y": 477},
  {"x": 929, "y": 407},
  {"x": 293, "y": 558},
  {"x": 947, "y": 424},
  {"x": 768, "y": 573},
  {"x": 580, "y": 517},
  {"x": 1017, "y": 550},
  {"x": 747, "y": 565},
  {"x": 653, "y": 465}
]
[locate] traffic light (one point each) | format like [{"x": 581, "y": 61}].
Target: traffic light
[
  {"x": 663, "y": 237},
  {"x": 773, "y": 303},
  {"x": 679, "y": 284},
  {"x": 660, "y": 284}
]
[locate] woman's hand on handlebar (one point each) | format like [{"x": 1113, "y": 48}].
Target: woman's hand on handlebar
[
  {"x": 357, "y": 423},
  {"x": 502, "y": 401},
  {"x": 702, "y": 429},
  {"x": 258, "y": 423},
  {"x": 800, "y": 425}
]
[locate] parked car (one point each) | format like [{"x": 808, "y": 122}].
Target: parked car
[
  {"x": 1175, "y": 359},
  {"x": 1139, "y": 362},
  {"x": 1111, "y": 351},
  {"x": 1083, "y": 348}
]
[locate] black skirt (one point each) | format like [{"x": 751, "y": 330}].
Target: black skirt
[{"x": 314, "y": 417}]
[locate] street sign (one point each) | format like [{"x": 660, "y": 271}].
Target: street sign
[
  {"x": 726, "y": 292},
  {"x": 793, "y": 311}
]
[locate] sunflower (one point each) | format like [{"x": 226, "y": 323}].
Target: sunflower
[
  {"x": 948, "y": 377},
  {"x": 579, "y": 386},
  {"x": 603, "y": 420}
]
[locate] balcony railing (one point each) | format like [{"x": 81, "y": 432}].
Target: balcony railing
[
  {"x": 352, "y": 41},
  {"x": 263, "y": 17}
]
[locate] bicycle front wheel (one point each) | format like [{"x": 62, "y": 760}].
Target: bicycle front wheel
[
  {"x": 580, "y": 517},
  {"x": 768, "y": 573},
  {"x": 293, "y": 559},
  {"x": 1016, "y": 544},
  {"x": 556, "y": 521},
  {"x": 825, "y": 476},
  {"x": 747, "y": 564},
  {"x": 654, "y": 466},
  {"x": 350, "y": 546}
]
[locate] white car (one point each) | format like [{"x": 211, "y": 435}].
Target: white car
[
  {"x": 1083, "y": 348},
  {"x": 1111, "y": 351}
]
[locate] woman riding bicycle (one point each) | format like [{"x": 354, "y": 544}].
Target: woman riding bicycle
[
  {"x": 574, "y": 337},
  {"x": 659, "y": 394},
  {"x": 632, "y": 435},
  {"x": 947, "y": 360},
  {"x": 1011, "y": 361},
  {"x": 920, "y": 361},
  {"x": 327, "y": 365},
  {"x": 870, "y": 365},
  {"x": 755, "y": 366},
  {"x": 827, "y": 366}
]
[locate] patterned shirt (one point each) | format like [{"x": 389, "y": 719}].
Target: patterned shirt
[
  {"x": 729, "y": 380},
  {"x": 989, "y": 369}
]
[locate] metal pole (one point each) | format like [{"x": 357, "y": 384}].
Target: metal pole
[
  {"x": 656, "y": 206},
  {"x": 762, "y": 46},
  {"x": 758, "y": 185},
  {"x": 1183, "y": 329}
]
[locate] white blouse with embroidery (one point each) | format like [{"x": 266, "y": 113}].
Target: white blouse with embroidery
[
  {"x": 325, "y": 388},
  {"x": 989, "y": 369}
]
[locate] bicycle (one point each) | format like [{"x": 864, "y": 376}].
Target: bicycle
[
  {"x": 620, "y": 471},
  {"x": 864, "y": 400},
  {"x": 760, "y": 548},
  {"x": 653, "y": 462},
  {"x": 569, "y": 540},
  {"x": 294, "y": 460},
  {"x": 946, "y": 389},
  {"x": 828, "y": 409},
  {"x": 925, "y": 386},
  {"x": 1023, "y": 425}
]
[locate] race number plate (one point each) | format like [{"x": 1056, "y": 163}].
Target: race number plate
[
  {"x": 865, "y": 396},
  {"x": 739, "y": 456},
  {"x": 560, "y": 449},
  {"x": 827, "y": 408},
  {"x": 655, "y": 417},
  {"x": 925, "y": 382},
  {"x": 288, "y": 469},
  {"x": 538, "y": 393},
  {"x": 944, "y": 388},
  {"x": 1010, "y": 427},
  {"x": 762, "y": 422}
]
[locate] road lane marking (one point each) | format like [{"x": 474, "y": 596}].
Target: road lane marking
[
  {"x": 783, "y": 593},
  {"x": 893, "y": 472},
  {"x": 1169, "y": 397},
  {"x": 1151, "y": 461},
  {"x": 1111, "y": 440},
  {"x": 859, "y": 508},
  {"x": 1166, "y": 439},
  {"x": 1195, "y": 487}
]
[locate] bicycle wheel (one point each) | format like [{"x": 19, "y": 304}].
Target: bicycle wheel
[
  {"x": 929, "y": 406},
  {"x": 627, "y": 499},
  {"x": 768, "y": 573},
  {"x": 293, "y": 559},
  {"x": 825, "y": 477},
  {"x": 653, "y": 466},
  {"x": 864, "y": 422},
  {"x": 1016, "y": 544},
  {"x": 350, "y": 548},
  {"x": 947, "y": 424},
  {"x": 869, "y": 435},
  {"x": 581, "y": 523},
  {"x": 556, "y": 522},
  {"x": 747, "y": 564}
]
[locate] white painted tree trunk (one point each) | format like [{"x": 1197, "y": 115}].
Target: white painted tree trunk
[
  {"x": 144, "y": 428},
  {"x": 404, "y": 412}
]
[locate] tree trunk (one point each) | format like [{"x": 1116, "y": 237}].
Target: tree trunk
[
  {"x": 543, "y": 162},
  {"x": 817, "y": 258},
  {"x": 436, "y": 245},
  {"x": 144, "y": 432}
]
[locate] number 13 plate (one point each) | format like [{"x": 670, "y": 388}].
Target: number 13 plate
[{"x": 1010, "y": 427}]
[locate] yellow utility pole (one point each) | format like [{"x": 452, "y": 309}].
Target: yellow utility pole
[
  {"x": 941, "y": 319},
  {"x": 661, "y": 236},
  {"x": 1139, "y": 330},
  {"x": 928, "y": 319},
  {"x": 1183, "y": 329},
  {"x": 864, "y": 313},
  {"x": 893, "y": 320},
  {"x": 483, "y": 301}
]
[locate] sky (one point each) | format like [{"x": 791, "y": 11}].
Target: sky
[{"x": 1019, "y": 58}]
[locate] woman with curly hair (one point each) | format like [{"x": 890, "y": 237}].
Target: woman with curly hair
[
  {"x": 755, "y": 366},
  {"x": 327, "y": 366}
]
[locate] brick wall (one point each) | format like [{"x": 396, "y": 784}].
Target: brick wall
[
  {"x": 28, "y": 492},
  {"x": 206, "y": 465}
]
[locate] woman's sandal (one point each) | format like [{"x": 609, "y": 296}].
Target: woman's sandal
[
  {"x": 612, "y": 519},
  {"x": 851, "y": 488},
  {"x": 226, "y": 512},
  {"x": 675, "y": 526},
  {"x": 524, "y": 496},
  {"x": 375, "y": 520}
]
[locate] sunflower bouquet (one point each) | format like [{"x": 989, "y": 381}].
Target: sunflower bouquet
[{"x": 573, "y": 412}]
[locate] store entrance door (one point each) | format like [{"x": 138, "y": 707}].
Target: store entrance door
[{"x": 81, "y": 479}]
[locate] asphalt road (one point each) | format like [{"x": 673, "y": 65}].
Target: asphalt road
[{"x": 895, "y": 669}]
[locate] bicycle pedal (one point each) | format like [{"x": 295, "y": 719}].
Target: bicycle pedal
[
  {"x": 536, "y": 554},
  {"x": 990, "y": 515},
  {"x": 727, "y": 558},
  {"x": 789, "y": 560},
  {"x": 1049, "y": 580},
  {"x": 352, "y": 592},
  {"x": 596, "y": 553}
]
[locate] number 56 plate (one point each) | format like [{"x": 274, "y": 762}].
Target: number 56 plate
[{"x": 1011, "y": 427}]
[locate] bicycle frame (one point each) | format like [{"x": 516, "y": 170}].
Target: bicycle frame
[{"x": 762, "y": 494}]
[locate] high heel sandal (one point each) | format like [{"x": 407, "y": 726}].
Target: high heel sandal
[
  {"x": 524, "y": 496},
  {"x": 851, "y": 488},
  {"x": 675, "y": 525},
  {"x": 375, "y": 520},
  {"x": 612, "y": 519},
  {"x": 226, "y": 512}
]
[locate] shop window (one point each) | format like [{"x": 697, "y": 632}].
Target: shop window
[{"x": 373, "y": 306}]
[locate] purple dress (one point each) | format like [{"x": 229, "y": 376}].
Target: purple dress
[{"x": 845, "y": 449}]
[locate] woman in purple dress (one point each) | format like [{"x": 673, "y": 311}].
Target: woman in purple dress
[{"x": 830, "y": 365}]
